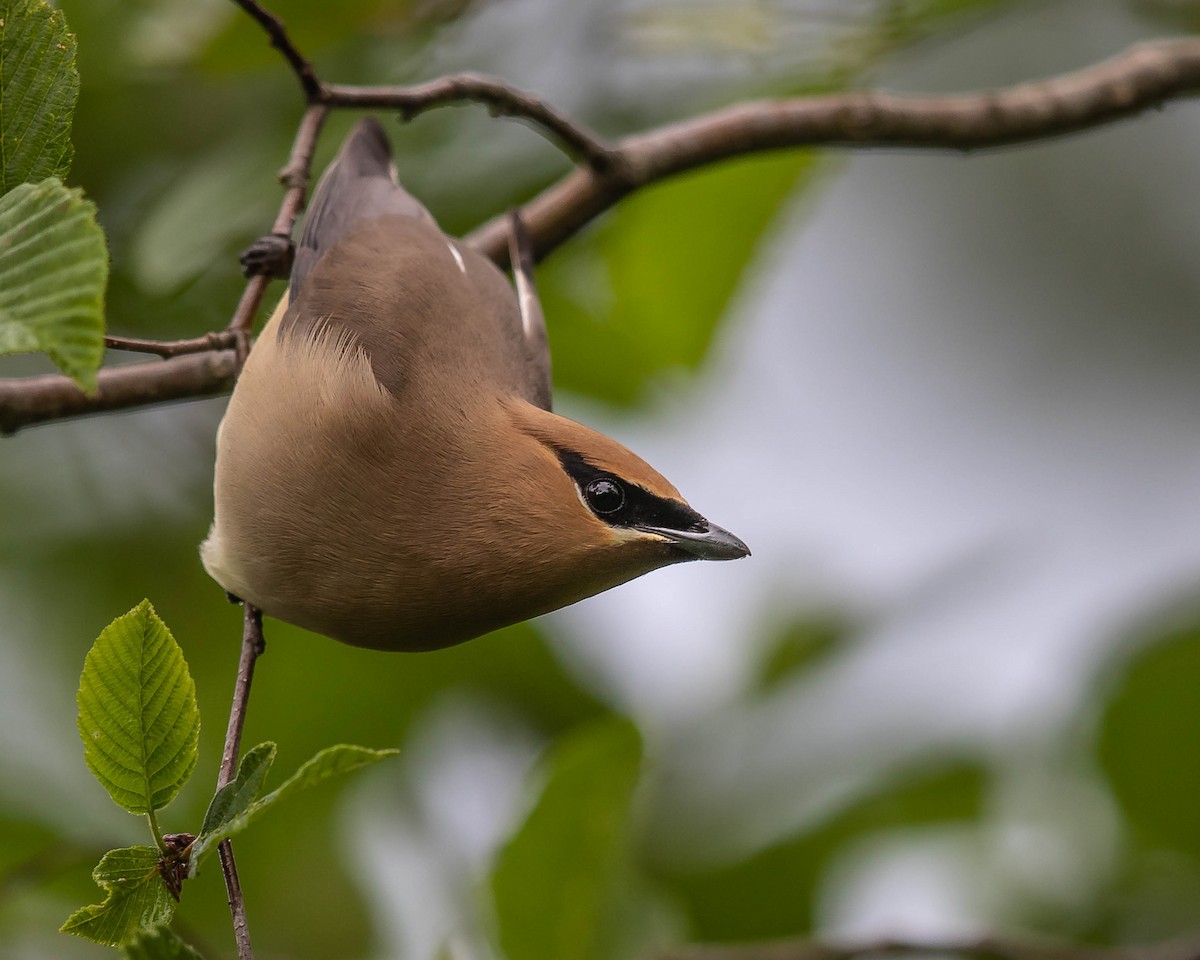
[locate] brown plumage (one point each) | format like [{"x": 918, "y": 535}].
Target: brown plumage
[{"x": 389, "y": 472}]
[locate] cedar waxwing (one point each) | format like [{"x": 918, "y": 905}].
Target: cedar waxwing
[{"x": 388, "y": 471}]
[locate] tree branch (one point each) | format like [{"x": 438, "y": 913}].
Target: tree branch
[
  {"x": 985, "y": 948},
  {"x": 277, "y": 33},
  {"x": 53, "y": 397},
  {"x": 502, "y": 100},
  {"x": 295, "y": 175},
  {"x": 1145, "y": 76},
  {"x": 218, "y": 340},
  {"x": 202, "y": 366}
]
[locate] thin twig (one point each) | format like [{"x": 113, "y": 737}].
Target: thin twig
[
  {"x": 1144, "y": 76},
  {"x": 217, "y": 340},
  {"x": 247, "y": 308},
  {"x": 253, "y": 646},
  {"x": 206, "y": 371},
  {"x": 277, "y": 33},
  {"x": 295, "y": 173},
  {"x": 237, "y": 903},
  {"x": 502, "y": 100},
  {"x": 984, "y": 948},
  {"x": 270, "y": 256}
]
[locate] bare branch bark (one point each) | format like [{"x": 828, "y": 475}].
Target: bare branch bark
[
  {"x": 502, "y": 100},
  {"x": 253, "y": 646},
  {"x": 985, "y": 948},
  {"x": 1144, "y": 77},
  {"x": 296, "y": 172},
  {"x": 277, "y": 33},
  {"x": 218, "y": 340},
  {"x": 53, "y": 397}
]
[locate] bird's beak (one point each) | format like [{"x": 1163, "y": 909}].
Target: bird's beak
[{"x": 711, "y": 543}]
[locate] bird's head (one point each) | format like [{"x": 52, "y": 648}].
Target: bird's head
[{"x": 604, "y": 504}]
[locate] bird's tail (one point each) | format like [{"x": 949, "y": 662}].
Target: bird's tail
[{"x": 360, "y": 184}]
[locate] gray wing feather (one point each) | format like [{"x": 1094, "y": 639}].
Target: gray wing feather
[
  {"x": 533, "y": 321},
  {"x": 359, "y": 187},
  {"x": 360, "y": 184}
]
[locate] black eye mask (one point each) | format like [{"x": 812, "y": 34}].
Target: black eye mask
[{"x": 621, "y": 503}]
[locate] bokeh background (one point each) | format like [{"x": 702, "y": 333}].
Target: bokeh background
[{"x": 950, "y": 401}]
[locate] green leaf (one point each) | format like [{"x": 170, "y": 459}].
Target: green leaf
[
  {"x": 158, "y": 943},
  {"x": 137, "y": 898},
  {"x": 644, "y": 292},
  {"x": 38, "y": 89},
  {"x": 330, "y": 762},
  {"x": 53, "y": 274},
  {"x": 233, "y": 798},
  {"x": 137, "y": 712},
  {"x": 555, "y": 883}
]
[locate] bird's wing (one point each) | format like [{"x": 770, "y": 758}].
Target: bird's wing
[
  {"x": 533, "y": 321},
  {"x": 393, "y": 261},
  {"x": 518, "y": 318},
  {"x": 359, "y": 185}
]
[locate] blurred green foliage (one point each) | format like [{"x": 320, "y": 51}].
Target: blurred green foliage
[
  {"x": 798, "y": 648},
  {"x": 1150, "y": 742},
  {"x": 772, "y": 893},
  {"x": 643, "y": 302},
  {"x": 184, "y": 114},
  {"x": 555, "y": 881},
  {"x": 159, "y": 943},
  {"x": 1175, "y": 13}
]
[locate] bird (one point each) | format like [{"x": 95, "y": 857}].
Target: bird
[{"x": 389, "y": 471}]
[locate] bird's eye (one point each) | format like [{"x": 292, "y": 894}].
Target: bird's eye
[{"x": 604, "y": 495}]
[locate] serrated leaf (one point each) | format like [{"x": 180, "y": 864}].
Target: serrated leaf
[
  {"x": 233, "y": 798},
  {"x": 38, "y": 89},
  {"x": 137, "y": 712},
  {"x": 158, "y": 943},
  {"x": 137, "y": 898},
  {"x": 328, "y": 763},
  {"x": 555, "y": 883},
  {"x": 53, "y": 274}
]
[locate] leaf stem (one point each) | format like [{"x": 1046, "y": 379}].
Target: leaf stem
[{"x": 156, "y": 831}]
